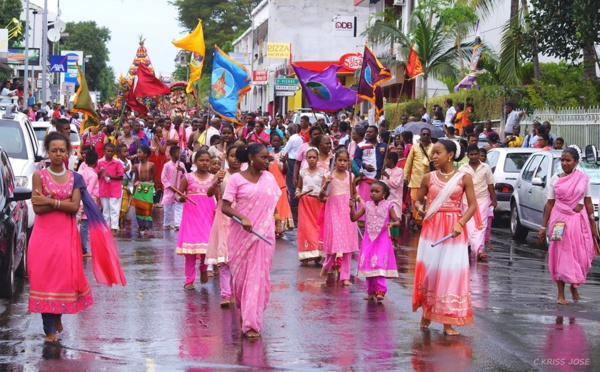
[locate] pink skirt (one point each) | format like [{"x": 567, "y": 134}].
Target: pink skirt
[
  {"x": 57, "y": 282},
  {"x": 196, "y": 225},
  {"x": 340, "y": 233},
  {"x": 309, "y": 209}
]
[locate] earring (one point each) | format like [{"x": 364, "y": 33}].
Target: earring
[{"x": 449, "y": 159}]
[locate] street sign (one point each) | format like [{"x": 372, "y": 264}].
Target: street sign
[
  {"x": 287, "y": 87},
  {"x": 285, "y": 94},
  {"x": 285, "y": 81},
  {"x": 68, "y": 88}
]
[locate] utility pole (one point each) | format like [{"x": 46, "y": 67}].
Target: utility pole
[
  {"x": 44, "y": 50},
  {"x": 26, "y": 70}
]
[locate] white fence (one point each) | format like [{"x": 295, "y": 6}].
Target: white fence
[{"x": 578, "y": 126}]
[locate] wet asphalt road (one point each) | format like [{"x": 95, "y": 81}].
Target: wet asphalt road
[{"x": 152, "y": 324}]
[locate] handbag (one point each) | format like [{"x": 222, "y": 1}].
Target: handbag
[
  {"x": 557, "y": 231},
  {"x": 431, "y": 166}
]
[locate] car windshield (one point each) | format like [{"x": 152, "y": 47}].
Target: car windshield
[
  {"x": 592, "y": 170},
  {"x": 515, "y": 162},
  {"x": 12, "y": 140},
  {"x": 311, "y": 118},
  {"x": 40, "y": 133}
]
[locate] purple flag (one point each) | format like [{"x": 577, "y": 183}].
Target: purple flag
[
  {"x": 323, "y": 89},
  {"x": 372, "y": 74}
]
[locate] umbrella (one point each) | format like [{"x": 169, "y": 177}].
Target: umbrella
[{"x": 417, "y": 126}]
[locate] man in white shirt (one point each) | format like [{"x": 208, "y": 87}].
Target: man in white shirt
[
  {"x": 483, "y": 183},
  {"x": 213, "y": 130},
  {"x": 512, "y": 118},
  {"x": 424, "y": 115},
  {"x": 291, "y": 152},
  {"x": 450, "y": 113}
]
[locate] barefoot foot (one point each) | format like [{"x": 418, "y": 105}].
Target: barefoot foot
[
  {"x": 51, "y": 338},
  {"x": 574, "y": 293},
  {"x": 323, "y": 274},
  {"x": 425, "y": 323},
  {"x": 203, "y": 277},
  {"x": 368, "y": 297},
  {"x": 449, "y": 331},
  {"x": 379, "y": 297},
  {"x": 346, "y": 283},
  {"x": 226, "y": 303},
  {"x": 562, "y": 301},
  {"x": 252, "y": 334},
  {"x": 189, "y": 287}
]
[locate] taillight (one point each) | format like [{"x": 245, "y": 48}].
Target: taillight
[{"x": 503, "y": 187}]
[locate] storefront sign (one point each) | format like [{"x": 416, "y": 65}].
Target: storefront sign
[
  {"x": 344, "y": 26},
  {"x": 279, "y": 50},
  {"x": 352, "y": 61},
  {"x": 260, "y": 77}
]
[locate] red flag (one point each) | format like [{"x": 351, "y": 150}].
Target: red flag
[
  {"x": 149, "y": 85},
  {"x": 135, "y": 104},
  {"x": 413, "y": 65},
  {"x": 145, "y": 85}
]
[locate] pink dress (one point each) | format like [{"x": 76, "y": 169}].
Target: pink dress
[
  {"x": 570, "y": 259},
  {"x": 197, "y": 220},
  {"x": 217, "y": 244},
  {"x": 442, "y": 283},
  {"x": 340, "y": 234},
  {"x": 376, "y": 257},
  {"x": 250, "y": 258},
  {"x": 57, "y": 282}
]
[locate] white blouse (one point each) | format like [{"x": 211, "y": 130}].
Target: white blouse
[
  {"x": 312, "y": 181},
  {"x": 588, "y": 189}
]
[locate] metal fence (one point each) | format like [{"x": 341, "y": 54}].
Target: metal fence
[{"x": 578, "y": 126}]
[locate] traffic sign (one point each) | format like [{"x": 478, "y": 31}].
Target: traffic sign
[
  {"x": 287, "y": 87},
  {"x": 286, "y": 81},
  {"x": 285, "y": 94}
]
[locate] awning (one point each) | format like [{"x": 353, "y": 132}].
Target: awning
[
  {"x": 319, "y": 66},
  {"x": 5, "y": 67}
]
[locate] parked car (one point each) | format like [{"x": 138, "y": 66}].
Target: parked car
[
  {"x": 531, "y": 190},
  {"x": 18, "y": 139},
  {"x": 507, "y": 163},
  {"x": 40, "y": 128},
  {"x": 311, "y": 117},
  {"x": 13, "y": 230}
]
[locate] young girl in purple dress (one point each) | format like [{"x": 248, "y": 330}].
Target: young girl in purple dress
[{"x": 376, "y": 260}]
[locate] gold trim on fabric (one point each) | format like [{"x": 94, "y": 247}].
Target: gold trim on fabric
[
  {"x": 378, "y": 272},
  {"x": 188, "y": 248},
  {"x": 55, "y": 296},
  {"x": 309, "y": 254}
]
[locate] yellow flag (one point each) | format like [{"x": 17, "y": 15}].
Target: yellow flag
[
  {"x": 195, "y": 74},
  {"x": 194, "y": 42}
]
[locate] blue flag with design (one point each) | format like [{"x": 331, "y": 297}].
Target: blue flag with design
[{"x": 229, "y": 83}]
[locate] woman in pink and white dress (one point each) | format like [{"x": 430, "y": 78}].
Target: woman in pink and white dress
[{"x": 442, "y": 285}]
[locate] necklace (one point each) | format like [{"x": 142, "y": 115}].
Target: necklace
[
  {"x": 57, "y": 174},
  {"x": 447, "y": 174}
]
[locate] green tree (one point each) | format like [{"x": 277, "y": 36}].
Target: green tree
[
  {"x": 458, "y": 20},
  {"x": 568, "y": 30},
  {"x": 91, "y": 39},
  {"x": 10, "y": 9},
  {"x": 221, "y": 20}
]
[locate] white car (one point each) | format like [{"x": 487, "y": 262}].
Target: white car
[
  {"x": 40, "y": 128},
  {"x": 18, "y": 139},
  {"x": 506, "y": 163},
  {"x": 311, "y": 117}
]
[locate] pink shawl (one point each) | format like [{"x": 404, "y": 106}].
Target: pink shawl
[{"x": 569, "y": 190}]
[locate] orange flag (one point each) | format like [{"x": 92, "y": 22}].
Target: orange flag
[{"x": 413, "y": 65}]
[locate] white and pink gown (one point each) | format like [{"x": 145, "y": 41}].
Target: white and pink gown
[{"x": 442, "y": 286}]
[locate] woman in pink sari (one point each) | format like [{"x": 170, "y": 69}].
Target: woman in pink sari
[
  {"x": 254, "y": 193},
  {"x": 569, "y": 223}
]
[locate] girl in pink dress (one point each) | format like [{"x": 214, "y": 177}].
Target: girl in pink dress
[
  {"x": 376, "y": 259},
  {"x": 570, "y": 255},
  {"x": 254, "y": 192},
  {"x": 57, "y": 282},
  {"x": 200, "y": 188},
  {"x": 309, "y": 209},
  {"x": 340, "y": 234},
  {"x": 442, "y": 285},
  {"x": 217, "y": 245}
]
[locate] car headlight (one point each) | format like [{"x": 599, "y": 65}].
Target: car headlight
[{"x": 21, "y": 181}]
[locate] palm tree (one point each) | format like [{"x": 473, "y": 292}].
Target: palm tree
[{"x": 431, "y": 41}]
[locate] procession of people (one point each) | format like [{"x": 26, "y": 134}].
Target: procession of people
[{"x": 225, "y": 193}]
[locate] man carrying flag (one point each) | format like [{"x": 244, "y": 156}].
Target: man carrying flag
[{"x": 83, "y": 103}]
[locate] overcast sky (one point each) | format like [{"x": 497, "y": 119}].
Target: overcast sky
[{"x": 156, "y": 20}]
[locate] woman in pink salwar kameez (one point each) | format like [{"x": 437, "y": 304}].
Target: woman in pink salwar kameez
[
  {"x": 442, "y": 287},
  {"x": 569, "y": 204},
  {"x": 254, "y": 192}
]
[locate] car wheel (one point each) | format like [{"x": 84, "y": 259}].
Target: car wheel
[
  {"x": 518, "y": 231},
  {"x": 7, "y": 283}
]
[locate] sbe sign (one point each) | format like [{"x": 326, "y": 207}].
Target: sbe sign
[{"x": 344, "y": 26}]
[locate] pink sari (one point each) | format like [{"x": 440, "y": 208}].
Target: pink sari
[
  {"x": 570, "y": 259},
  {"x": 249, "y": 257}
]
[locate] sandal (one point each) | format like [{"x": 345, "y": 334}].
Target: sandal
[
  {"x": 379, "y": 296},
  {"x": 481, "y": 256},
  {"x": 189, "y": 287}
]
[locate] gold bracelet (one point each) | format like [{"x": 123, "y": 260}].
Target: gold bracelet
[
  {"x": 542, "y": 228},
  {"x": 460, "y": 223}
]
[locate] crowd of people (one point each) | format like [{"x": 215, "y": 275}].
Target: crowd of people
[{"x": 231, "y": 190}]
